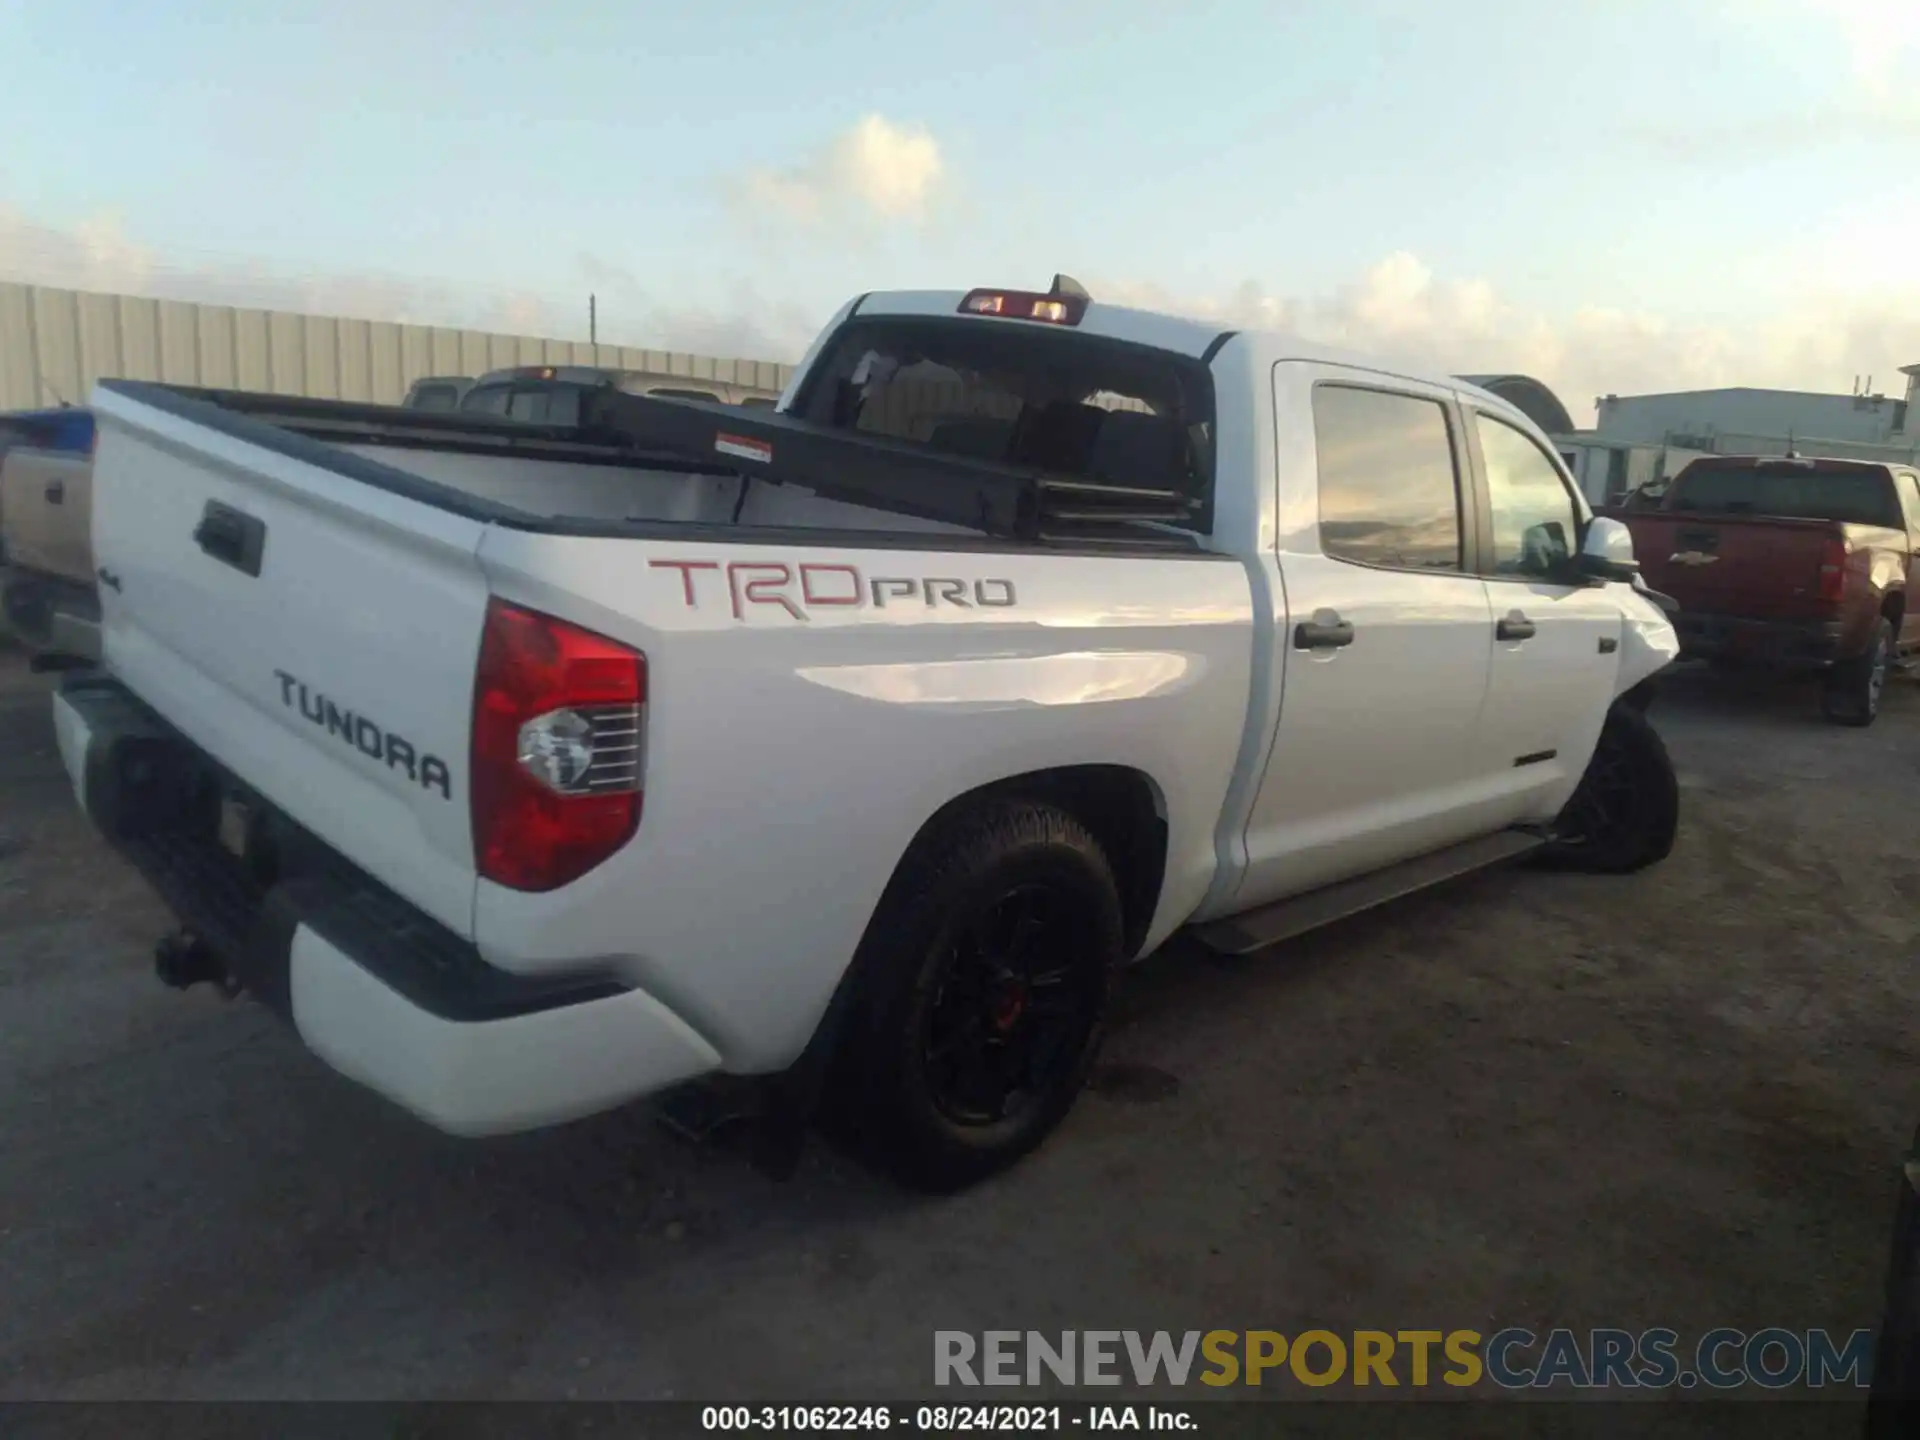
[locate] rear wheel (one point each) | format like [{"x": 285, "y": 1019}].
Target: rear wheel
[
  {"x": 1625, "y": 813},
  {"x": 1853, "y": 690},
  {"x": 985, "y": 976},
  {"x": 1893, "y": 1405}
]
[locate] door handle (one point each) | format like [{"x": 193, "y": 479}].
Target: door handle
[
  {"x": 231, "y": 536},
  {"x": 1325, "y": 631},
  {"x": 56, "y": 492},
  {"x": 1515, "y": 627}
]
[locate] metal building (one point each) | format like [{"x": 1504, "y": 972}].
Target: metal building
[
  {"x": 1699, "y": 418},
  {"x": 55, "y": 343}
]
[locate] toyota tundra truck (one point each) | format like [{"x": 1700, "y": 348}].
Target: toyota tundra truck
[{"x": 850, "y": 746}]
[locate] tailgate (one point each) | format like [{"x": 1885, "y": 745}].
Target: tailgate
[
  {"x": 1760, "y": 568},
  {"x": 314, "y": 632}
]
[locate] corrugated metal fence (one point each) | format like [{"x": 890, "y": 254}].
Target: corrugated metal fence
[{"x": 55, "y": 343}]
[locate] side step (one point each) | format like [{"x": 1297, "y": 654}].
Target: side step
[{"x": 1284, "y": 919}]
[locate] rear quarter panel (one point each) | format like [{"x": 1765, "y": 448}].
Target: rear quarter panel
[{"x": 790, "y": 761}]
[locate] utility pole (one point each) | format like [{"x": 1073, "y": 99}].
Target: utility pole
[{"x": 593, "y": 326}]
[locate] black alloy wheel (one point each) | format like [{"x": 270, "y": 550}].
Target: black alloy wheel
[
  {"x": 1626, "y": 810},
  {"x": 982, "y": 987},
  {"x": 1012, "y": 1010}
]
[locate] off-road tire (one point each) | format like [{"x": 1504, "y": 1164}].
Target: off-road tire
[
  {"x": 1854, "y": 687},
  {"x": 1893, "y": 1404},
  {"x": 1626, "y": 810},
  {"x": 919, "y": 962}
]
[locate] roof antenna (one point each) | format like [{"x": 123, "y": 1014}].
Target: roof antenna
[{"x": 1069, "y": 288}]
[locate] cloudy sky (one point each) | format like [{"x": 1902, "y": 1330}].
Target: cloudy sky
[{"x": 1615, "y": 195}]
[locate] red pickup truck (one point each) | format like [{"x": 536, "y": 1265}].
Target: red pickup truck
[{"x": 1795, "y": 563}]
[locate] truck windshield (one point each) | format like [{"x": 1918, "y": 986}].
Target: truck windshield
[
  {"x": 1073, "y": 404},
  {"x": 1857, "y": 497}
]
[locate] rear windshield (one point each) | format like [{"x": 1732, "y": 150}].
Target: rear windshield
[
  {"x": 542, "y": 402},
  {"x": 1854, "y": 497},
  {"x": 1069, "y": 403}
]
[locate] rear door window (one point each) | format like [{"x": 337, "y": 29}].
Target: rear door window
[{"x": 1389, "y": 489}]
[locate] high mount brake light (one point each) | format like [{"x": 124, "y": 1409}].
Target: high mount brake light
[
  {"x": 1025, "y": 305},
  {"x": 559, "y": 714}
]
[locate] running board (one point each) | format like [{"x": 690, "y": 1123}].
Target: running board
[{"x": 1269, "y": 925}]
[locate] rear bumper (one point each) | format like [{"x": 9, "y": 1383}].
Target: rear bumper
[
  {"x": 51, "y": 614},
  {"x": 1778, "y": 644},
  {"x": 377, "y": 989}
]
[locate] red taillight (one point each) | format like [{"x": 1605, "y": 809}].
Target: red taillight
[
  {"x": 558, "y": 714},
  {"x": 1833, "y": 570},
  {"x": 1025, "y": 305}
]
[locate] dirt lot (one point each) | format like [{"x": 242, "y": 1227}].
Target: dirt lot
[{"x": 1533, "y": 1100}]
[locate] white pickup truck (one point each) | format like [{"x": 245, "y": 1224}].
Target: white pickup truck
[{"x": 853, "y": 745}]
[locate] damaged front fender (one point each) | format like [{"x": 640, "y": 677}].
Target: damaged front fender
[{"x": 1648, "y": 641}]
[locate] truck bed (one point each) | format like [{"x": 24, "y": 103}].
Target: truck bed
[{"x": 639, "y": 461}]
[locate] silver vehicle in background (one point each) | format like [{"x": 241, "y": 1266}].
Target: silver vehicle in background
[
  {"x": 437, "y": 392},
  {"x": 551, "y": 394}
]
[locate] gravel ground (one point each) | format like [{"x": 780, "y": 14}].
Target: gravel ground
[{"x": 1674, "y": 1099}]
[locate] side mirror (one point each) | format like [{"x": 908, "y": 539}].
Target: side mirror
[{"x": 1606, "y": 551}]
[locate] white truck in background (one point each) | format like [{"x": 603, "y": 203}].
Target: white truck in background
[{"x": 851, "y": 746}]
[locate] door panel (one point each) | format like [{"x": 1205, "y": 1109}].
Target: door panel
[
  {"x": 1547, "y": 695},
  {"x": 1371, "y": 761},
  {"x": 1554, "y": 647}
]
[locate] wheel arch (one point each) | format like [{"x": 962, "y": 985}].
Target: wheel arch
[{"x": 1122, "y": 807}]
